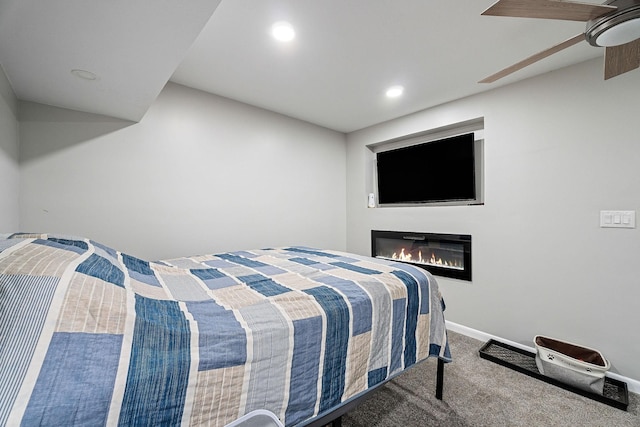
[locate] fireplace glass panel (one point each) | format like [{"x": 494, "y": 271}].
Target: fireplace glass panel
[
  {"x": 442, "y": 254},
  {"x": 446, "y": 255}
]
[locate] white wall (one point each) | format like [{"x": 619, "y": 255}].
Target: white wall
[
  {"x": 558, "y": 149},
  {"x": 199, "y": 174},
  {"x": 9, "y": 146}
]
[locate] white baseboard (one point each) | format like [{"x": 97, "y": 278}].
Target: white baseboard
[{"x": 632, "y": 385}]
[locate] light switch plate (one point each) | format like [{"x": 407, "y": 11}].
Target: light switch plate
[
  {"x": 618, "y": 219},
  {"x": 371, "y": 200}
]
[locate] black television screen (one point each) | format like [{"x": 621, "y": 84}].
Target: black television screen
[{"x": 437, "y": 171}]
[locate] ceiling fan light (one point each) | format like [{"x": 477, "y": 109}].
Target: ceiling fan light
[
  {"x": 615, "y": 28},
  {"x": 622, "y": 33}
]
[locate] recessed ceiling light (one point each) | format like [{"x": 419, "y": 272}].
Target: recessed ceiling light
[
  {"x": 84, "y": 74},
  {"x": 283, "y": 31},
  {"x": 395, "y": 91}
]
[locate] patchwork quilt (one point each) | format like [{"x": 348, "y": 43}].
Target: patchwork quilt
[{"x": 92, "y": 336}]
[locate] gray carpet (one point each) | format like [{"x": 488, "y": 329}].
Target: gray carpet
[{"x": 478, "y": 392}]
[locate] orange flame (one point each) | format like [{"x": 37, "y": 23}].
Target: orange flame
[{"x": 433, "y": 260}]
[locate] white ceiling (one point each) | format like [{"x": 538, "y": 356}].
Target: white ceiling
[
  {"x": 334, "y": 74},
  {"x": 133, "y": 46}
]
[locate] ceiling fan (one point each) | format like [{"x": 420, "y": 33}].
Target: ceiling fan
[{"x": 614, "y": 25}]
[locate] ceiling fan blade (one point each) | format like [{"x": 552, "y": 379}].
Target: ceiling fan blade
[
  {"x": 534, "y": 58},
  {"x": 620, "y": 59},
  {"x": 548, "y": 9}
]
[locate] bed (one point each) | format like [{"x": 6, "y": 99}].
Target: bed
[{"x": 93, "y": 336}]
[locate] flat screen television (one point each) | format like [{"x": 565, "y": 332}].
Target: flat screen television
[{"x": 436, "y": 171}]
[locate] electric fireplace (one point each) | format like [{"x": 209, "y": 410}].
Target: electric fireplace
[{"x": 447, "y": 255}]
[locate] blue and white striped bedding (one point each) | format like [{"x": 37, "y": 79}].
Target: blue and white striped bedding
[{"x": 92, "y": 336}]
